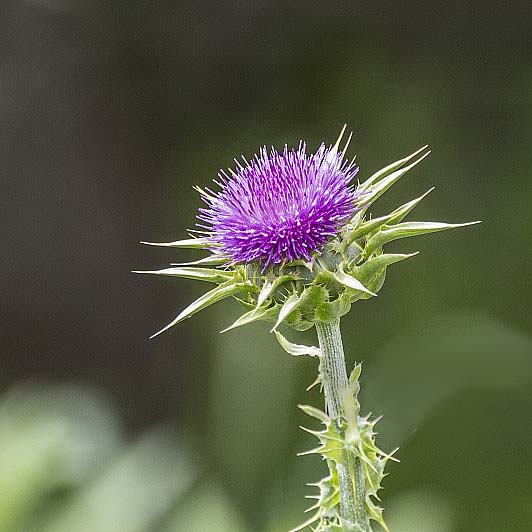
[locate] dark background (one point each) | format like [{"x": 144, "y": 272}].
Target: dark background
[{"x": 111, "y": 111}]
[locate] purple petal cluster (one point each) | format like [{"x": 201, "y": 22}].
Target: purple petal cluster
[{"x": 280, "y": 206}]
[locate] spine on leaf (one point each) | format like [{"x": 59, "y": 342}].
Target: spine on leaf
[{"x": 346, "y": 498}]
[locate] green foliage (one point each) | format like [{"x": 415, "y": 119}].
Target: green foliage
[
  {"x": 65, "y": 466},
  {"x": 345, "y": 441}
]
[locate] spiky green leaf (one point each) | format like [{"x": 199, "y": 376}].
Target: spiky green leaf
[
  {"x": 207, "y": 299},
  {"x": 380, "y": 187},
  {"x": 351, "y": 282},
  {"x": 401, "y": 212},
  {"x": 270, "y": 285},
  {"x": 405, "y": 230},
  {"x": 369, "y": 269},
  {"x": 371, "y": 225},
  {"x": 190, "y": 243},
  {"x": 288, "y": 307},
  {"x": 387, "y": 170},
  {"x": 315, "y": 413},
  {"x": 249, "y": 317},
  {"x": 296, "y": 349},
  {"x": 212, "y": 260},
  {"x": 355, "y": 374},
  {"x": 199, "y": 274}
]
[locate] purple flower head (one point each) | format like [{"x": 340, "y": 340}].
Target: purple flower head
[{"x": 280, "y": 206}]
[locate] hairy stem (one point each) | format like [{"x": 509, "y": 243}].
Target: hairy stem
[{"x": 336, "y": 386}]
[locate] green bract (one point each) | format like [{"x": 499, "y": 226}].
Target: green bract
[{"x": 350, "y": 267}]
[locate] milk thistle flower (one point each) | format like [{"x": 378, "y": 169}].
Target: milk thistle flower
[
  {"x": 289, "y": 236},
  {"x": 281, "y": 206}
]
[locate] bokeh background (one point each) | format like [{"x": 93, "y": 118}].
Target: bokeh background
[{"x": 110, "y": 112}]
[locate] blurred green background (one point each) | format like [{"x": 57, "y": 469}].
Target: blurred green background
[{"x": 110, "y": 112}]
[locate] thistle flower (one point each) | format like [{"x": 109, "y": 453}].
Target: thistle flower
[
  {"x": 289, "y": 236},
  {"x": 280, "y": 207}
]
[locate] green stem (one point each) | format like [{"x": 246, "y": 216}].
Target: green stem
[{"x": 336, "y": 386}]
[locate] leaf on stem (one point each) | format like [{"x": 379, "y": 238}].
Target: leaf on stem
[
  {"x": 189, "y": 243},
  {"x": 207, "y": 299},
  {"x": 405, "y": 230},
  {"x": 288, "y": 307},
  {"x": 351, "y": 282},
  {"x": 296, "y": 349},
  {"x": 199, "y": 274}
]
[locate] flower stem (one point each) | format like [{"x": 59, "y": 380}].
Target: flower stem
[{"x": 336, "y": 387}]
